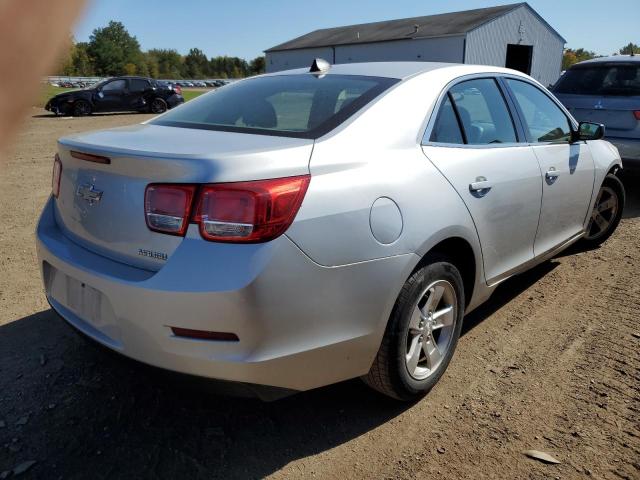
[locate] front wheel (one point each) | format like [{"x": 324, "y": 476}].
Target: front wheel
[
  {"x": 81, "y": 108},
  {"x": 422, "y": 332},
  {"x": 606, "y": 213}
]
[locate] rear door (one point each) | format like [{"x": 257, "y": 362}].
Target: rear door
[
  {"x": 135, "y": 93},
  {"x": 474, "y": 142},
  {"x": 567, "y": 168},
  {"x": 111, "y": 96}
]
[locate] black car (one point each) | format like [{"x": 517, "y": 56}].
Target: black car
[{"x": 117, "y": 94}]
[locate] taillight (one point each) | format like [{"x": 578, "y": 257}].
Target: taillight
[
  {"x": 56, "y": 175},
  {"x": 249, "y": 212},
  {"x": 167, "y": 207},
  {"x": 177, "y": 89},
  {"x": 636, "y": 114}
]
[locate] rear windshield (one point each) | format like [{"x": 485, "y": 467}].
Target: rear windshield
[
  {"x": 605, "y": 79},
  {"x": 303, "y": 106}
]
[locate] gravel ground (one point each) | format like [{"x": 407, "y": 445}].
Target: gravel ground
[{"x": 550, "y": 363}]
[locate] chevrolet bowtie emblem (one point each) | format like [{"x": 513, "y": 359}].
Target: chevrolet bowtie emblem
[{"x": 89, "y": 193}]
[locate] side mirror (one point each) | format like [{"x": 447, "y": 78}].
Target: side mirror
[{"x": 589, "y": 131}]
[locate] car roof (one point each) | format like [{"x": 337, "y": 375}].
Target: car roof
[
  {"x": 611, "y": 59},
  {"x": 398, "y": 70}
]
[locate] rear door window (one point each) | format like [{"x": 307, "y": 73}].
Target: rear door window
[
  {"x": 138, "y": 85},
  {"x": 447, "y": 129},
  {"x": 480, "y": 109},
  {"x": 543, "y": 119}
]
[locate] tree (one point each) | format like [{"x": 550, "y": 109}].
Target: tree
[
  {"x": 113, "y": 48},
  {"x": 196, "y": 64},
  {"x": 629, "y": 49},
  {"x": 257, "y": 65},
  {"x": 82, "y": 64},
  {"x": 170, "y": 62},
  {"x": 571, "y": 56}
]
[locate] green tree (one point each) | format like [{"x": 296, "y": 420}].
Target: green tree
[
  {"x": 82, "y": 64},
  {"x": 629, "y": 49},
  {"x": 113, "y": 48},
  {"x": 257, "y": 65},
  {"x": 196, "y": 64},
  {"x": 571, "y": 56},
  {"x": 170, "y": 63}
]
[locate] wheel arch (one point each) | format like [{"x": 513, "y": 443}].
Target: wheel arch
[{"x": 461, "y": 253}]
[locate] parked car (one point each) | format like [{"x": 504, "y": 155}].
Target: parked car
[
  {"x": 607, "y": 90},
  {"x": 66, "y": 84},
  {"x": 116, "y": 95},
  {"x": 294, "y": 230}
]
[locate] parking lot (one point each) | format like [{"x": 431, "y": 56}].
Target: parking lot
[{"x": 550, "y": 363}]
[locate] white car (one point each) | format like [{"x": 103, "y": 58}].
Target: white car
[{"x": 301, "y": 228}]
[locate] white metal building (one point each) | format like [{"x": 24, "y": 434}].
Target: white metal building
[{"x": 515, "y": 36}]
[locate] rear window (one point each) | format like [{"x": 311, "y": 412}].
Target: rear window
[
  {"x": 303, "y": 106},
  {"x": 605, "y": 79}
]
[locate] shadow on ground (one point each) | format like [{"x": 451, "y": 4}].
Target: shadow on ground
[{"x": 78, "y": 410}]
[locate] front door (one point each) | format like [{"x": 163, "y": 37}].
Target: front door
[
  {"x": 567, "y": 168},
  {"x": 474, "y": 144},
  {"x": 111, "y": 96}
]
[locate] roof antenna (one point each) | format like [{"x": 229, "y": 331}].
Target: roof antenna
[{"x": 320, "y": 65}]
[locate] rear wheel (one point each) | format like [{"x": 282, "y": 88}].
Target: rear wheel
[
  {"x": 422, "y": 332},
  {"x": 158, "y": 105},
  {"x": 81, "y": 108},
  {"x": 606, "y": 213}
]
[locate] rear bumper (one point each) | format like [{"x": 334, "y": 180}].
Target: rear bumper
[
  {"x": 300, "y": 325},
  {"x": 629, "y": 149},
  {"x": 175, "y": 100}
]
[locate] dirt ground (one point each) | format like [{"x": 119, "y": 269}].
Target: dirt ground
[{"x": 551, "y": 362}]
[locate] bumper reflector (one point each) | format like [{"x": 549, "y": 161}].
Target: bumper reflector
[{"x": 204, "y": 335}]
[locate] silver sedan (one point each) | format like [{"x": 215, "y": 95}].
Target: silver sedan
[{"x": 302, "y": 228}]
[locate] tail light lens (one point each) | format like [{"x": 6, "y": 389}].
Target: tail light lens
[
  {"x": 177, "y": 89},
  {"x": 56, "y": 175},
  {"x": 168, "y": 207},
  {"x": 636, "y": 114},
  {"x": 249, "y": 212}
]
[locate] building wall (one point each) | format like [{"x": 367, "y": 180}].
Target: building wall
[
  {"x": 487, "y": 45},
  {"x": 445, "y": 49},
  {"x": 288, "y": 59}
]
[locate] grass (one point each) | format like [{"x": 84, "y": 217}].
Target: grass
[{"x": 49, "y": 91}]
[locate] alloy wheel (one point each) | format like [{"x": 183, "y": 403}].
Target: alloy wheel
[
  {"x": 603, "y": 214},
  {"x": 431, "y": 329}
]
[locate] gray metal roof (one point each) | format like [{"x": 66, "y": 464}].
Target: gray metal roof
[{"x": 445, "y": 24}]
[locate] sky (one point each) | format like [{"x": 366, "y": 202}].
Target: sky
[{"x": 246, "y": 28}]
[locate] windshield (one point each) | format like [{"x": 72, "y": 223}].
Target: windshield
[
  {"x": 303, "y": 106},
  {"x": 604, "y": 79}
]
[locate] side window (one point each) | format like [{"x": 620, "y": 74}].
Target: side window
[
  {"x": 483, "y": 112},
  {"x": 115, "y": 86},
  {"x": 446, "y": 129},
  {"x": 138, "y": 85},
  {"x": 542, "y": 117}
]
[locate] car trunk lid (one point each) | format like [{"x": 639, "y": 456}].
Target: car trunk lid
[
  {"x": 617, "y": 113},
  {"x": 101, "y": 205}
]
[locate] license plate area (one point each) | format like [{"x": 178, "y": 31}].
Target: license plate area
[{"x": 88, "y": 304}]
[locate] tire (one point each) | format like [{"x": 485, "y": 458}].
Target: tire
[
  {"x": 607, "y": 212},
  {"x": 158, "y": 105},
  {"x": 81, "y": 108},
  {"x": 433, "y": 288}
]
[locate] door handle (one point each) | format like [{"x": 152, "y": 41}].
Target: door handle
[
  {"x": 552, "y": 175},
  {"x": 481, "y": 185}
]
